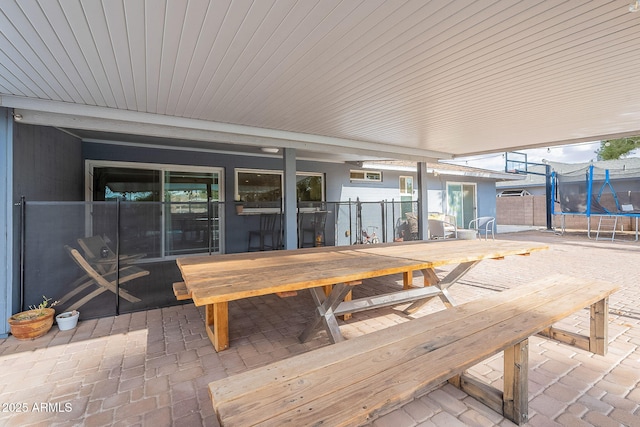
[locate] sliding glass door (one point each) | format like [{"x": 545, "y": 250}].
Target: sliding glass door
[
  {"x": 461, "y": 202},
  {"x": 191, "y": 224},
  {"x": 166, "y": 211}
]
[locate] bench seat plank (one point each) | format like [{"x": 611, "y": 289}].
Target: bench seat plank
[
  {"x": 180, "y": 291},
  {"x": 367, "y": 376}
]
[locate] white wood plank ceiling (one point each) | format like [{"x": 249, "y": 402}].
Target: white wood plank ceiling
[{"x": 394, "y": 79}]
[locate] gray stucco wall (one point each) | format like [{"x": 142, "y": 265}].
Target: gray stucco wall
[
  {"x": 47, "y": 166},
  {"x": 486, "y": 198}
]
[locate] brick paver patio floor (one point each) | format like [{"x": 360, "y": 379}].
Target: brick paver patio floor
[{"x": 152, "y": 368}]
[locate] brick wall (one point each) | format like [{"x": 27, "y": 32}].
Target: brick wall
[{"x": 526, "y": 210}]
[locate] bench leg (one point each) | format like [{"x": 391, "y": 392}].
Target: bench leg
[
  {"x": 599, "y": 327},
  {"x": 217, "y": 324},
  {"x": 598, "y": 339},
  {"x": 513, "y": 401},
  {"x": 516, "y": 374}
]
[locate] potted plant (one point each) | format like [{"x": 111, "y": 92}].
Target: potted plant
[
  {"x": 239, "y": 204},
  {"x": 67, "y": 320},
  {"x": 33, "y": 323}
]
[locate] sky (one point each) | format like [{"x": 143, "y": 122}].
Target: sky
[{"x": 574, "y": 153}]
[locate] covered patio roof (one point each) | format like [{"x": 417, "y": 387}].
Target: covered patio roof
[{"x": 337, "y": 80}]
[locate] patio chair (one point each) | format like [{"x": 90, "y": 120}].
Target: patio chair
[
  {"x": 440, "y": 229},
  {"x": 483, "y": 225},
  {"x": 103, "y": 281},
  {"x": 267, "y": 229},
  {"x": 311, "y": 228},
  {"x": 412, "y": 220},
  {"x": 101, "y": 257}
]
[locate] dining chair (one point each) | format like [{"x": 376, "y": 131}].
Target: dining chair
[
  {"x": 311, "y": 227},
  {"x": 258, "y": 238}
]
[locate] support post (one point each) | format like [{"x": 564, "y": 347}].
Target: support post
[
  {"x": 423, "y": 204},
  {"x": 290, "y": 222},
  {"x": 6, "y": 220}
]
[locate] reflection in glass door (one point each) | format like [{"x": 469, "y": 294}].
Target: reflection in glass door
[
  {"x": 461, "y": 202},
  {"x": 192, "y": 225},
  {"x": 139, "y": 192},
  {"x": 163, "y": 212}
]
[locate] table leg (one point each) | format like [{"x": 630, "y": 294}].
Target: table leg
[
  {"x": 407, "y": 279},
  {"x": 451, "y": 278},
  {"x": 325, "y": 307},
  {"x": 217, "y": 324},
  {"x": 327, "y": 291}
]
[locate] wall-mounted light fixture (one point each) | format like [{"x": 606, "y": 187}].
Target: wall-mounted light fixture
[
  {"x": 17, "y": 117},
  {"x": 270, "y": 150}
]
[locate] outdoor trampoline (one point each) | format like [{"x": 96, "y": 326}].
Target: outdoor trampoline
[{"x": 606, "y": 194}]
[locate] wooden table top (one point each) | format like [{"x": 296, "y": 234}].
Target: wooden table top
[{"x": 220, "y": 278}]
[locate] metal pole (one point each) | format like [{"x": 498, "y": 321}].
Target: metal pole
[
  {"x": 350, "y": 223},
  {"x": 589, "y": 196},
  {"x": 209, "y": 225},
  {"x": 393, "y": 218},
  {"x": 549, "y": 192},
  {"x": 383, "y": 205},
  {"x": 117, "y": 257},
  {"x": 23, "y": 243}
]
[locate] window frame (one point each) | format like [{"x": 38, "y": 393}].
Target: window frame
[
  {"x": 258, "y": 209},
  {"x": 403, "y": 189},
  {"x": 367, "y": 175}
]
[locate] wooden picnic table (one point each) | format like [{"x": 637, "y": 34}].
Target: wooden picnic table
[{"x": 331, "y": 273}]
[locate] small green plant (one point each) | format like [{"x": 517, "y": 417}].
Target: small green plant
[{"x": 36, "y": 311}]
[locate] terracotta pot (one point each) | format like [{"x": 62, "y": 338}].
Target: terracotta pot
[{"x": 26, "y": 327}]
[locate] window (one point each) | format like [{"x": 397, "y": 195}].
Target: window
[
  {"x": 258, "y": 186},
  {"x": 361, "y": 175},
  {"x": 309, "y": 188},
  {"x": 406, "y": 185},
  {"x": 513, "y": 193},
  {"x": 262, "y": 189}
]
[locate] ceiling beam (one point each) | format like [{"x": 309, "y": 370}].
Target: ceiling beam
[{"x": 75, "y": 116}]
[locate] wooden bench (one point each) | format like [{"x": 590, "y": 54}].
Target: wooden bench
[
  {"x": 180, "y": 291},
  {"x": 357, "y": 380}
]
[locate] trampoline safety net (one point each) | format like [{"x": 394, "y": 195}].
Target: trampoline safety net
[{"x": 596, "y": 191}]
